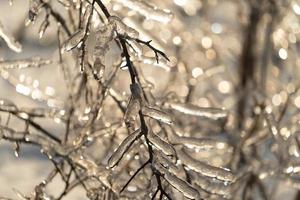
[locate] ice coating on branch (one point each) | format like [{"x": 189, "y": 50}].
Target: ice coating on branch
[
  {"x": 102, "y": 38},
  {"x": 199, "y": 143},
  {"x": 74, "y": 40},
  {"x": 48, "y": 147},
  {"x": 65, "y": 3},
  {"x": 7, "y": 105},
  {"x": 45, "y": 112},
  {"x": 10, "y": 40},
  {"x": 24, "y": 63},
  {"x": 43, "y": 28},
  {"x": 294, "y": 148},
  {"x": 205, "y": 169},
  {"x": 16, "y": 147},
  {"x": 93, "y": 169},
  {"x": 134, "y": 105},
  {"x": 273, "y": 126},
  {"x": 166, "y": 162},
  {"x": 157, "y": 114},
  {"x": 182, "y": 186},
  {"x": 116, "y": 94},
  {"x": 40, "y": 193},
  {"x": 122, "y": 28},
  {"x": 132, "y": 111},
  {"x": 86, "y": 16},
  {"x": 9, "y": 133},
  {"x": 185, "y": 188},
  {"x": 34, "y": 6},
  {"x": 123, "y": 147},
  {"x": 98, "y": 69},
  {"x": 106, "y": 130},
  {"x": 147, "y": 10},
  {"x": 136, "y": 90},
  {"x": 210, "y": 113},
  {"x": 214, "y": 187},
  {"x": 163, "y": 63},
  {"x": 161, "y": 144},
  {"x": 177, "y": 137}
]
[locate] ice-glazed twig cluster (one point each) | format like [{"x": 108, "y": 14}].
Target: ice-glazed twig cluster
[{"x": 141, "y": 118}]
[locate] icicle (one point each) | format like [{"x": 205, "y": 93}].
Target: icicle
[
  {"x": 43, "y": 28},
  {"x": 16, "y": 148},
  {"x": 157, "y": 114},
  {"x": 24, "y": 63},
  {"x": 162, "y": 145},
  {"x": 205, "y": 169},
  {"x": 10, "y": 40},
  {"x": 147, "y": 10},
  {"x": 122, "y": 28},
  {"x": 100, "y": 51},
  {"x": 7, "y": 105},
  {"x": 123, "y": 147},
  {"x": 98, "y": 69},
  {"x": 210, "y": 113},
  {"x": 74, "y": 40},
  {"x": 185, "y": 188},
  {"x": 103, "y": 36}
]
